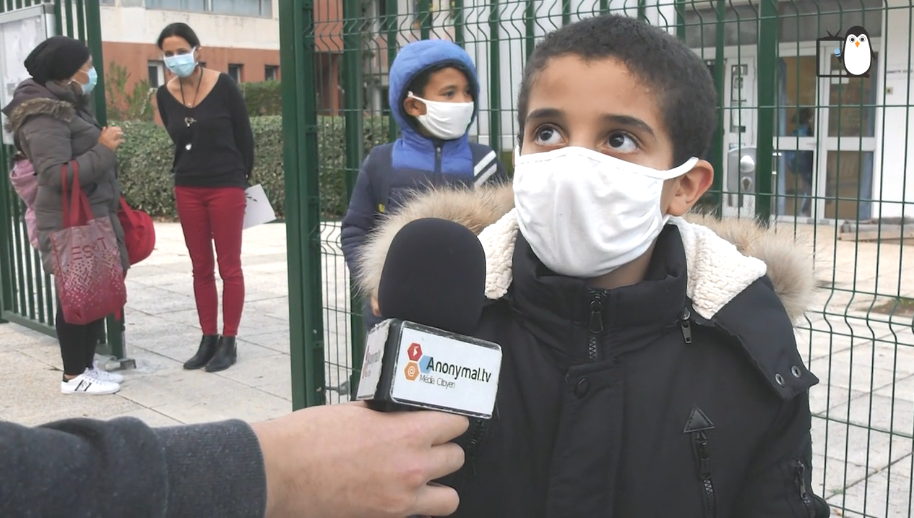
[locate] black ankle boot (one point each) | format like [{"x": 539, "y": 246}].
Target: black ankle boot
[
  {"x": 225, "y": 356},
  {"x": 204, "y": 353}
]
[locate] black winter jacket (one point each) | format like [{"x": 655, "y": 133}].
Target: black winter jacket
[{"x": 683, "y": 395}]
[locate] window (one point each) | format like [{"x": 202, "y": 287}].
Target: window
[
  {"x": 235, "y": 72},
  {"x": 156, "y": 74},
  {"x": 177, "y": 5},
  {"x": 262, "y": 8},
  {"x": 270, "y": 73}
]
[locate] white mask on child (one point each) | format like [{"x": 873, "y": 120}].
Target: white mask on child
[
  {"x": 584, "y": 213},
  {"x": 447, "y": 121}
]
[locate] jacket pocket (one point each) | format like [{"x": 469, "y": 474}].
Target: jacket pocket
[
  {"x": 812, "y": 505},
  {"x": 703, "y": 465}
]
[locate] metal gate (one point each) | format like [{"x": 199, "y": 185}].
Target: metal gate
[
  {"x": 819, "y": 156},
  {"x": 26, "y": 292}
]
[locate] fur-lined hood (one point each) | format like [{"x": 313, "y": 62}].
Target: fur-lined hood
[
  {"x": 31, "y": 99},
  {"x": 724, "y": 256}
]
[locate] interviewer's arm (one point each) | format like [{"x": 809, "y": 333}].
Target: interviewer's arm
[
  {"x": 335, "y": 461},
  {"x": 122, "y": 467}
]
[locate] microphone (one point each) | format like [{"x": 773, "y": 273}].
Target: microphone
[{"x": 432, "y": 291}]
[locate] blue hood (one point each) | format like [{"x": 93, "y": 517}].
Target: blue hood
[{"x": 413, "y": 149}]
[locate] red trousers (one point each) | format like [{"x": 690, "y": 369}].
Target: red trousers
[{"x": 207, "y": 215}]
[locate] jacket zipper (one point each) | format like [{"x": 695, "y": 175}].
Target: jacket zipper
[
  {"x": 704, "y": 472},
  {"x": 473, "y": 446},
  {"x": 437, "y": 161},
  {"x": 595, "y": 327},
  {"x": 686, "y": 326},
  {"x": 800, "y": 471}
]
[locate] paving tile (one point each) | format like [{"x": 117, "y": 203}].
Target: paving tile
[
  {"x": 871, "y": 449},
  {"x": 886, "y": 494}
]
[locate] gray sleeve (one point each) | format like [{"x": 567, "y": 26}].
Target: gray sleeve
[
  {"x": 122, "y": 467},
  {"x": 49, "y": 143}
]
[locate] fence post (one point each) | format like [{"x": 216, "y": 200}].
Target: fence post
[
  {"x": 355, "y": 143},
  {"x": 680, "y": 19},
  {"x": 529, "y": 29},
  {"x": 6, "y": 254},
  {"x": 494, "y": 78},
  {"x": 767, "y": 61},
  {"x": 303, "y": 226},
  {"x": 424, "y": 11},
  {"x": 459, "y": 22},
  {"x": 717, "y": 151},
  {"x": 392, "y": 44},
  {"x": 566, "y": 12}
]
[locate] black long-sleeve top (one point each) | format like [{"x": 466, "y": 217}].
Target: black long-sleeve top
[{"x": 214, "y": 144}]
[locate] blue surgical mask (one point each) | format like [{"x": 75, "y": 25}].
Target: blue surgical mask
[
  {"x": 93, "y": 80},
  {"x": 182, "y": 65}
]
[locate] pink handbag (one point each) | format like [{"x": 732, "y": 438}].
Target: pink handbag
[
  {"x": 86, "y": 261},
  {"x": 25, "y": 183}
]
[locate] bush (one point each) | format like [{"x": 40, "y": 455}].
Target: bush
[
  {"x": 263, "y": 98},
  {"x": 146, "y": 156}
]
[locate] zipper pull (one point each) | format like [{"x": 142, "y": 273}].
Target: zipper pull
[
  {"x": 596, "y": 316},
  {"x": 686, "y": 325},
  {"x": 801, "y": 481},
  {"x": 704, "y": 458}
]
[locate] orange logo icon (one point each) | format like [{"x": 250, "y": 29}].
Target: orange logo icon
[{"x": 411, "y": 371}]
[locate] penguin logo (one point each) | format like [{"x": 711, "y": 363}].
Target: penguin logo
[{"x": 855, "y": 53}]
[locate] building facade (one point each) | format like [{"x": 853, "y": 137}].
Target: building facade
[{"x": 238, "y": 37}]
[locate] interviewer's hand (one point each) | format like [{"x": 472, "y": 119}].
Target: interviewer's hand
[{"x": 342, "y": 461}]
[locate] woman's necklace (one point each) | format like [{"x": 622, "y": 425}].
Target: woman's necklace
[{"x": 191, "y": 120}]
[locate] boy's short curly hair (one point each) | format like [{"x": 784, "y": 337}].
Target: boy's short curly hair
[{"x": 688, "y": 99}]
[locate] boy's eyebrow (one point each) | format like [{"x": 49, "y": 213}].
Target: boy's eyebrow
[
  {"x": 546, "y": 113},
  {"x": 627, "y": 120},
  {"x": 621, "y": 120}
]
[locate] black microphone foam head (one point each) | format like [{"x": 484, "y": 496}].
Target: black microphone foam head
[{"x": 434, "y": 274}]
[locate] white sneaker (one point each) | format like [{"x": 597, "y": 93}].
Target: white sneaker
[
  {"x": 85, "y": 384},
  {"x": 103, "y": 375}
]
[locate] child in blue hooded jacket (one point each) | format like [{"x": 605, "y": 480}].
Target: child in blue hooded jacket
[{"x": 432, "y": 95}]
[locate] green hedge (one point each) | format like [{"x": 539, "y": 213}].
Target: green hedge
[
  {"x": 145, "y": 159},
  {"x": 263, "y": 98}
]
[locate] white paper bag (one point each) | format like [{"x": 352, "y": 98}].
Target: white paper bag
[{"x": 258, "y": 209}]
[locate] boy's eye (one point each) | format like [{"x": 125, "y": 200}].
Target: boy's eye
[
  {"x": 547, "y": 136},
  {"x": 622, "y": 143}
]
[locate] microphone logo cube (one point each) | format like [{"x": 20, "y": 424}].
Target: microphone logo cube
[
  {"x": 414, "y": 352},
  {"x": 411, "y": 371}
]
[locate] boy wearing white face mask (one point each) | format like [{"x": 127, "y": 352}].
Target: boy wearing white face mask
[
  {"x": 432, "y": 94},
  {"x": 650, "y": 367}
]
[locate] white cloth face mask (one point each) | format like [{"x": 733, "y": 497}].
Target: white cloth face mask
[
  {"x": 447, "y": 121},
  {"x": 584, "y": 213}
]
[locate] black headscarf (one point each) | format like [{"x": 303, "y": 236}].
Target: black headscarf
[{"x": 56, "y": 58}]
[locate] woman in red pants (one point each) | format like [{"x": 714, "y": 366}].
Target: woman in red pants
[{"x": 206, "y": 117}]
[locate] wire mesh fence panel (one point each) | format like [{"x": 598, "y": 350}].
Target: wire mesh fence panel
[{"x": 803, "y": 144}]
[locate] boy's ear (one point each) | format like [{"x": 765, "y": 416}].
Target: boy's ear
[
  {"x": 685, "y": 191},
  {"x": 414, "y": 107}
]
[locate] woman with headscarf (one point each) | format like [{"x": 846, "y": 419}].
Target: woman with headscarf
[{"x": 50, "y": 120}]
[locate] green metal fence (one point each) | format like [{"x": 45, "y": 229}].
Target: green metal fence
[
  {"x": 26, "y": 292},
  {"x": 823, "y": 158}
]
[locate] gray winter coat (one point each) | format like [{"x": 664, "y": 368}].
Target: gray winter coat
[{"x": 52, "y": 127}]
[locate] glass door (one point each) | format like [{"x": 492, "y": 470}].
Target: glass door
[
  {"x": 849, "y": 145},
  {"x": 825, "y": 139},
  {"x": 796, "y": 144}
]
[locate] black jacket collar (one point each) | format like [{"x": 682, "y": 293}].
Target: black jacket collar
[{"x": 558, "y": 309}]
